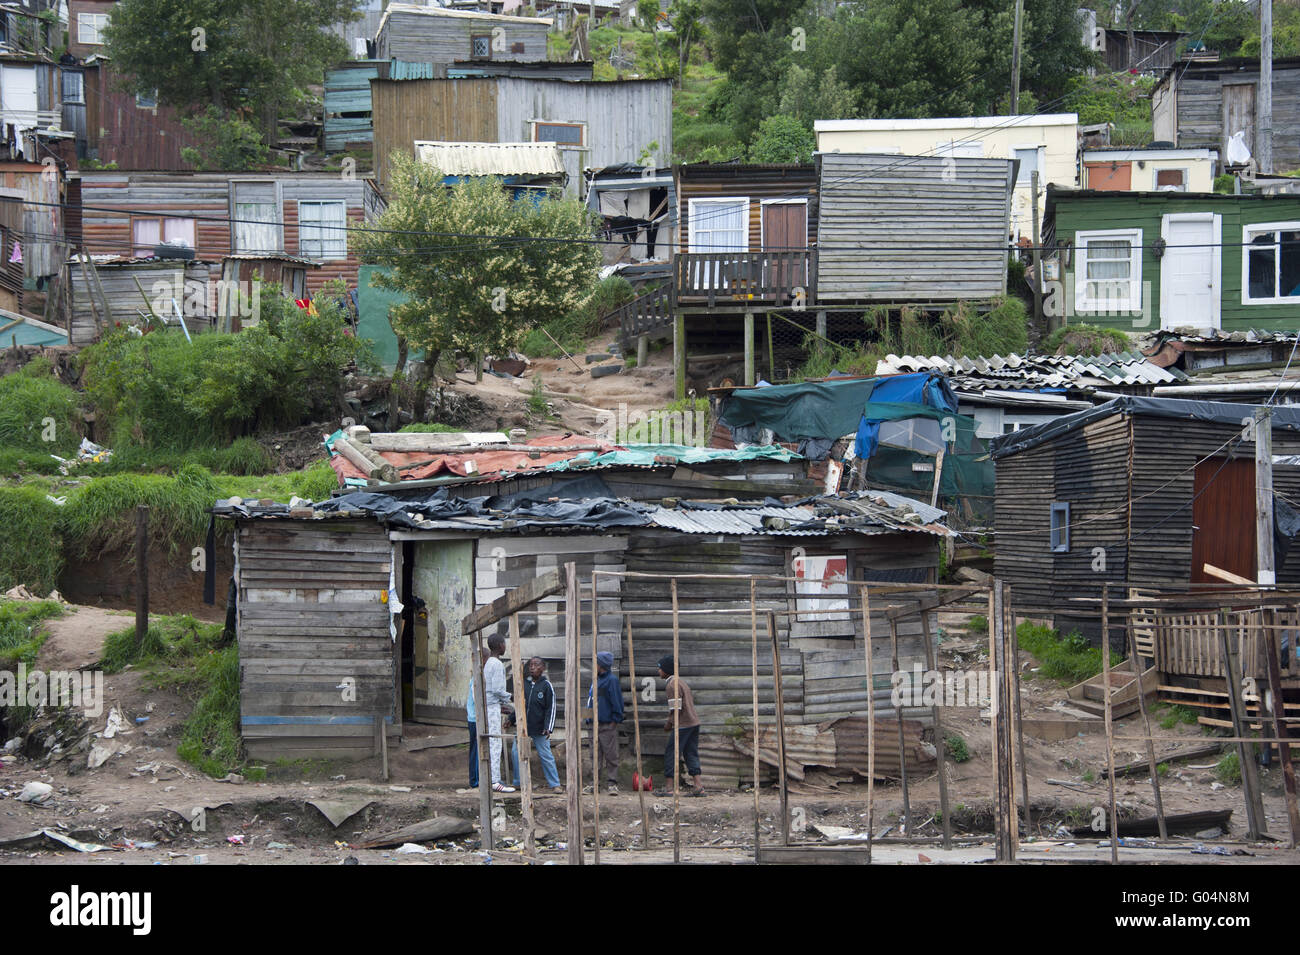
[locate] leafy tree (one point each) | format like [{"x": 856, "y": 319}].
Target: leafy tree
[
  {"x": 809, "y": 97},
  {"x": 479, "y": 268},
  {"x": 260, "y": 54},
  {"x": 228, "y": 143},
  {"x": 782, "y": 139}
]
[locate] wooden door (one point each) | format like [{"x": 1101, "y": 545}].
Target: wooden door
[
  {"x": 1189, "y": 271},
  {"x": 785, "y": 230},
  {"x": 1238, "y": 115},
  {"x": 1223, "y": 518}
]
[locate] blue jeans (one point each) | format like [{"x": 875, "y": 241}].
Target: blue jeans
[
  {"x": 543, "y": 746},
  {"x": 473, "y": 754}
]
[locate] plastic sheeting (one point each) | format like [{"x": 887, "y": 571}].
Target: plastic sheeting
[
  {"x": 1216, "y": 412},
  {"x": 645, "y": 454}
]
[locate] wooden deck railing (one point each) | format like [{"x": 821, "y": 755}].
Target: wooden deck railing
[
  {"x": 778, "y": 278},
  {"x": 648, "y": 314}
]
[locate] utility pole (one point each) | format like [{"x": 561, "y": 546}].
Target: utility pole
[
  {"x": 1015, "y": 61},
  {"x": 1264, "y": 148}
]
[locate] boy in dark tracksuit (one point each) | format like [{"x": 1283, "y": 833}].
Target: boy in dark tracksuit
[
  {"x": 539, "y": 703},
  {"x": 688, "y": 726},
  {"x": 609, "y": 715}
]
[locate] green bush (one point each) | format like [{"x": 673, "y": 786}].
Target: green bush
[
  {"x": 31, "y": 552},
  {"x": 957, "y": 748},
  {"x": 162, "y": 391},
  {"x": 34, "y": 406}
]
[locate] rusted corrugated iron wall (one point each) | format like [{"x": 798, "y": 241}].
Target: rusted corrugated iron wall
[{"x": 119, "y": 131}]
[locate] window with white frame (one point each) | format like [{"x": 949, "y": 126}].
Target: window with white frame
[
  {"x": 1108, "y": 271},
  {"x": 1272, "y": 263},
  {"x": 148, "y": 231},
  {"x": 257, "y": 221},
  {"x": 322, "y": 229},
  {"x": 91, "y": 27},
  {"x": 719, "y": 225},
  {"x": 1169, "y": 180},
  {"x": 147, "y": 100},
  {"x": 1031, "y": 161}
]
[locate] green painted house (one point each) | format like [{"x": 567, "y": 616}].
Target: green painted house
[{"x": 1141, "y": 261}]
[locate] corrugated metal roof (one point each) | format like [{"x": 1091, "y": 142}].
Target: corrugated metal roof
[
  {"x": 1034, "y": 372},
  {"x": 737, "y": 521},
  {"x": 491, "y": 159}
]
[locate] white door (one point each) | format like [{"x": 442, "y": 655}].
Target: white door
[{"x": 1190, "y": 270}]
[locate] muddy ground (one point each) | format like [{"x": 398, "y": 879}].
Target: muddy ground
[{"x": 145, "y": 805}]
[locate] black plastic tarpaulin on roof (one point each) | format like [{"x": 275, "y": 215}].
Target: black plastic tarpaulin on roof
[{"x": 1215, "y": 412}]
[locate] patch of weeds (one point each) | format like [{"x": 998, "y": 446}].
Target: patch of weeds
[
  {"x": 537, "y": 403},
  {"x": 1162, "y": 769},
  {"x": 1172, "y": 714},
  {"x": 188, "y": 655},
  {"x": 978, "y": 624},
  {"x": 957, "y": 748},
  {"x": 210, "y": 738},
  {"x": 255, "y": 774},
  {"x": 1228, "y": 769},
  {"x": 32, "y": 549},
  {"x": 22, "y": 630},
  {"x": 428, "y": 427},
  {"x": 1069, "y": 660},
  {"x": 1077, "y": 816},
  {"x": 1088, "y": 776}
]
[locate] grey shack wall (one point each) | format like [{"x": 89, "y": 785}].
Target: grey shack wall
[
  {"x": 912, "y": 228},
  {"x": 427, "y": 38}
]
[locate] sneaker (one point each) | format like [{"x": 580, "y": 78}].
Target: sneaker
[
  {"x": 558, "y": 790},
  {"x": 613, "y": 790},
  {"x": 586, "y": 790},
  {"x": 499, "y": 788}
]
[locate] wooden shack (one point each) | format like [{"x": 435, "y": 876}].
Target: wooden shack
[
  {"x": 300, "y": 214},
  {"x": 313, "y": 587},
  {"x": 126, "y": 291},
  {"x": 1203, "y": 102},
  {"x": 595, "y": 124},
  {"x": 1134, "y": 493},
  {"x": 913, "y": 228},
  {"x": 426, "y": 34}
]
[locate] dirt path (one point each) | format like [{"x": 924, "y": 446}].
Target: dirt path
[{"x": 76, "y": 639}]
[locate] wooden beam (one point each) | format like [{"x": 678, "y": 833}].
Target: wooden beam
[
  {"x": 513, "y": 602},
  {"x": 572, "y": 730},
  {"x": 925, "y": 604}
]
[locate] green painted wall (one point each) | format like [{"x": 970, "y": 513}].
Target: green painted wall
[
  {"x": 444, "y": 577},
  {"x": 373, "y": 304},
  {"x": 1144, "y": 211}
]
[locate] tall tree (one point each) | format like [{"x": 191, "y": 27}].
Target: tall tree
[
  {"x": 258, "y": 55},
  {"x": 478, "y": 267}
]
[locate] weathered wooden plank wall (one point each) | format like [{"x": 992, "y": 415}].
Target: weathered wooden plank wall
[
  {"x": 912, "y": 228},
  {"x": 311, "y": 617},
  {"x": 431, "y": 35},
  {"x": 756, "y": 183},
  {"x": 406, "y": 110}
]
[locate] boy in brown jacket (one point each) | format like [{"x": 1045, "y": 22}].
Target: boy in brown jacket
[{"x": 688, "y": 726}]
